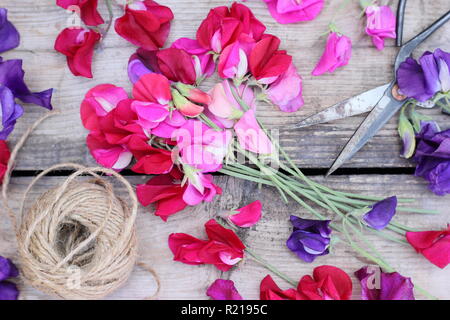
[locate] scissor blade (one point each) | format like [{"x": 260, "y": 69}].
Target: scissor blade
[
  {"x": 361, "y": 103},
  {"x": 381, "y": 114}
]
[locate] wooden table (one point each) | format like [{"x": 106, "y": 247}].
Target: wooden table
[{"x": 377, "y": 169}]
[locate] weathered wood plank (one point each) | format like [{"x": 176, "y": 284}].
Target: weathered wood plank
[
  {"x": 267, "y": 238},
  {"x": 62, "y": 139}
]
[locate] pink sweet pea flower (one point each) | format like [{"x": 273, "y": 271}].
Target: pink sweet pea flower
[
  {"x": 152, "y": 87},
  {"x": 291, "y": 11},
  {"x": 247, "y": 216},
  {"x": 224, "y": 108},
  {"x": 286, "y": 92},
  {"x": 250, "y": 135},
  {"x": 233, "y": 61},
  {"x": 98, "y": 102},
  {"x": 433, "y": 245},
  {"x": 200, "y": 187},
  {"x": 203, "y": 60},
  {"x": 337, "y": 54},
  {"x": 201, "y": 147},
  {"x": 223, "y": 290},
  {"x": 381, "y": 23},
  {"x": 111, "y": 156}
]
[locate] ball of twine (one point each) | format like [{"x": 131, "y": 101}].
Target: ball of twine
[{"x": 78, "y": 240}]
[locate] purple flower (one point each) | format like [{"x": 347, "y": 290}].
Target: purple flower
[
  {"x": 381, "y": 213},
  {"x": 310, "y": 238},
  {"x": 433, "y": 157},
  {"x": 379, "y": 285},
  {"x": 10, "y": 112},
  {"x": 422, "y": 81},
  {"x": 223, "y": 290},
  {"x": 8, "y": 290},
  {"x": 9, "y": 37}
]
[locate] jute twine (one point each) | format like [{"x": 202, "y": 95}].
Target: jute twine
[{"x": 78, "y": 240}]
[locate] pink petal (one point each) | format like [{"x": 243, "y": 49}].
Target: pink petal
[
  {"x": 248, "y": 215},
  {"x": 291, "y": 11},
  {"x": 251, "y": 137},
  {"x": 337, "y": 53},
  {"x": 223, "y": 290},
  {"x": 286, "y": 92}
]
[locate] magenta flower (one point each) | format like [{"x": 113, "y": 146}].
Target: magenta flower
[
  {"x": 247, "y": 216},
  {"x": 381, "y": 213},
  {"x": 233, "y": 61},
  {"x": 200, "y": 187},
  {"x": 9, "y": 37},
  {"x": 337, "y": 53},
  {"x": 380, "y": 24},
  {"x": 286, "y": 91},
  {"x": 291, "y": 11},
  {"x": 250, "y": 135},
  {"x": 309, "y": 238},
  {"x": 223, "y": 290},
  {"x": 379, "y": 285},
  {"x": 8, "y": 290}
]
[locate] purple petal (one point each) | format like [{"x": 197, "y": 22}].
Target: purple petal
[
  {"x": 307, "y": 245},
  {"x": 368, "y": 280},
  {"x": 316, "y": 226},
  {"x": 411, "y": 80},
  {"x": 223, "y": 290},
  {"x": 7, "y": 269},
  {"x": 12, "y": 76},
  {"x": 443, "y": 60},
  {"x": 10, "y": 111},
  {"x": 396, "y": 287},
  {"x": 8, "y": 291},
  {"x": 9, "y": 37},
  {"x": 430, "y": 72},
  {"x": 439, "y": 179},
  {"x": 381, "y": 213}
]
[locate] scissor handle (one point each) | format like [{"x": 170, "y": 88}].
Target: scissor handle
[
  {"x": 412, "y": 44},
  {"x": 400, "y": 22}
]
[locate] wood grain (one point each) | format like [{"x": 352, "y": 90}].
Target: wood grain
[
  {"x": 267, "y": 238},
  {"x": 63, "y": 138}
]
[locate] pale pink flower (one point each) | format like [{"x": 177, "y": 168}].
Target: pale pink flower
[
  {"x": 286, "y": 92},
  {"x": 250, "y": 135}
]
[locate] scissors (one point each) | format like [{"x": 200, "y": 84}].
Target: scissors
[{"x": 383, "y": 102}]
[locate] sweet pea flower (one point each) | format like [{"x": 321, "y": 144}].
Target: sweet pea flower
[
  {"x": 327, "y": 283},
  {"x": 9, "y": 36},
  {"x": 203, "y": 60},
  {"x": 250, "y": 135},
  {"x": 433, "y": 245},
  {"x": 12, "y": 76},
  {"x": 223, "y": 108},
  {"x": 310, "y": 238},
  {"x": 233, "y": 61},
  {"x": 267, "y": 63},
  {"x": 4, "y": 158},
  {"x": 223, "y": 248},
  {"x": 291, "y": 11},
  {"x": 193, "y": 94},
  {"x": 10, "y": 112},
  {"x": 380, "y": 24},
  {"x": 8, "y": 290},
  {"x": 379, "y": 285},
  {"x": 88, "y": 10},
  {"x": 113, "y": 156},
  {"x": 223, "y": 290},
  {"x": 433, "y": 158},
  {"x": 286, "y": 91},
  {"x": 381, "y": 213},
  {"x": 247, "y": 216},
  {"x": 422, "y": 81},
  {"x": 200, "y": 187},
  {"x": 78, "y": 46},
  {"x": 186, "y": 107},
  {"x": 202, "y": 147},
  {"x": 145, "y": 24},
  {"x": 150, "y": 160},
  {"x": 337, "y": 53},
  {"x": 98, "y": 101},
  {"x": 176, "y": 65},
  {"x": 165, "y": 191},
  {"x": 224, "y": 26}
]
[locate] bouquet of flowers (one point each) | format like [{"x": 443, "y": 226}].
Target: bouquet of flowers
[{"x": 180, "y": 133}]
